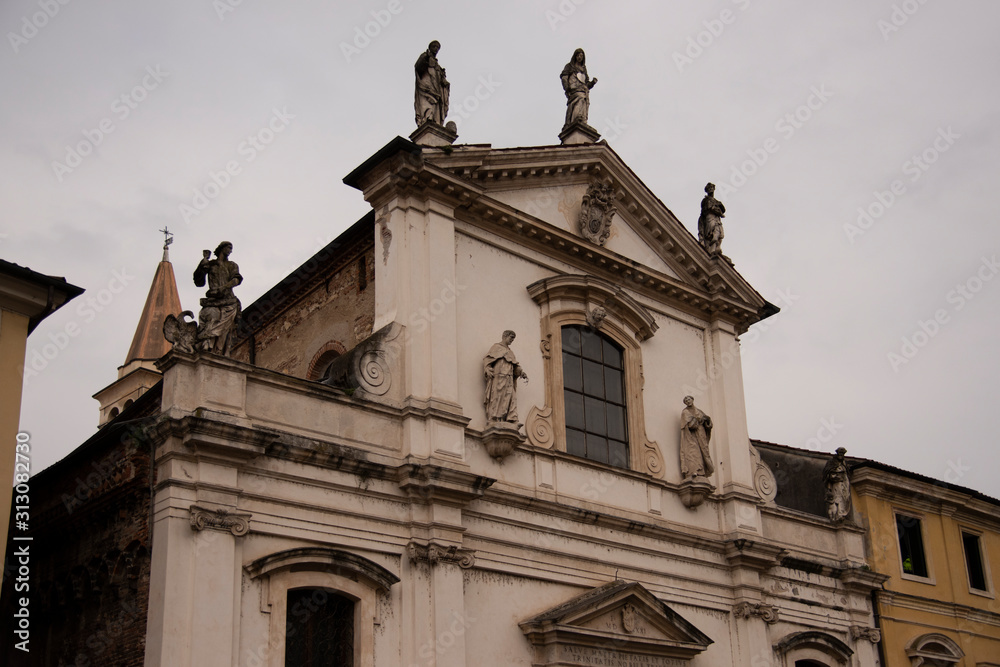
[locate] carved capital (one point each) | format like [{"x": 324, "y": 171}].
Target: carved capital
[
  {"x": 861, "y": 632},
  {"x": 238, "y": 523},
  {"x": 768, "y": 613},
  {"x": 433, "y": 554}
]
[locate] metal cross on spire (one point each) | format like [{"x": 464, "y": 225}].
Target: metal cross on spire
[{"x": 168, "y": 238}]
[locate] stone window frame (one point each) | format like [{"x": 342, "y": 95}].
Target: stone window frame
[
  {"x": 573, "y": 300},
  {"x": 983, "y": 561},
  {"x": 933, "y": 649},
  {"x": 813, "y": 645},
  {"x": 921, "y": 519},
  {"x": 340, "y": 572}
]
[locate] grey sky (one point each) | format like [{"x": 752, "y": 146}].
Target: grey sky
[{"x": 688, "y": 92}]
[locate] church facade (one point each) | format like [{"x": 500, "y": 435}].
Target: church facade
[{"x": 499, "y": 421}]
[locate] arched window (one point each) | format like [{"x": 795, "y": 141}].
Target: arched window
[
  {"x": 594, "y": 396},
  {"x": 934, "y": 650},
  {"x": 322, "y": 604},
  {"x": 114, "y": 413},
  {"x": 319, "y": 628},
  {"x": 592, "y": 335},
  {"x": 813, "y": 649},
  {"x": 320, "y": 364}
]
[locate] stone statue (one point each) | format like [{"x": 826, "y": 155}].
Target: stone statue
[
  {"x": 502, "y": 372},
  {"x": 220, "y": 309},
  {"x": 181, "y": 333},
  {"x": 577, "y": 85},
  {"x": 430, "y": 101},
  {"x": 696, "y": 431},
  {"x": 710, "y": 222},
  {"x": 838, "y": 487}
]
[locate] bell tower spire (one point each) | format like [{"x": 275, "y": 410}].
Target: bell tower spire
[{"x": 139, "y": 373}]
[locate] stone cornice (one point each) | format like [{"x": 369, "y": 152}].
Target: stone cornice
[
  {"x": 934, "y": 498},
  {"x": 935, "y": 606},
  {"x": 324, "y": 559},
  {"x": 589, "y": 288},
  {"x": 756, "y": 555},
  {"x": 432, "y": 483},
  {"x": 560, "y": 510}
]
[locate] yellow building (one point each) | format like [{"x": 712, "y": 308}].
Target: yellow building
[
  {"x": 26, "y": 298},
  {"x": 939, "y": 543}
]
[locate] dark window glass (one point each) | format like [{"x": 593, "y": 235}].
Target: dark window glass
[
  {"x": 593, "y": 347},
  {"x": 572, "y": 372},
  {"x": 319, "y": 629},
  {"x": 576, "y": 442},
  {"x": 571, "y": 340},
  {"x": 974, "y": 561},
  {"x": 911, "y": 545},
  {"x": 594, "y": 393},
  {"x": 574, "y": 410}
]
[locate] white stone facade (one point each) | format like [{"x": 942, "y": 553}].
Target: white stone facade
[{"x": 386, "y": 495}]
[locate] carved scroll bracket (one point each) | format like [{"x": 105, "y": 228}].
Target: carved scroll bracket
[
  {"x": 768, "y": 613},
  {"x": 764, "y": 482},
  {"x": 861, "y": 632},
  {"x": 202, "y": 518},
  {"x": 434, "y": 554}
]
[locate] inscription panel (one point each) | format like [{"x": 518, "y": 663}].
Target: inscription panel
[{"x": 586, "y": 656}]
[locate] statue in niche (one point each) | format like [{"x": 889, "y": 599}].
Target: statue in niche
[
  {"x": 838, "y": 487},
  {"x": 710, "y": 231},
  {"x": 502, "y": 373},
  {"x": 696, "y": 431},
  {"x": 577, "y": 86},
  {"x": 430, "y": 100},
  {"x": 220, "y": 309},
  {"x": 596, "y": 212}
]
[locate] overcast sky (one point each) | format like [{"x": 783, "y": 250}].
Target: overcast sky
[{"x": 805, "y": 115}]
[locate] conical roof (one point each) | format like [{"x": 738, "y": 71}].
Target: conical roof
[{"x": 162, "y": 300}]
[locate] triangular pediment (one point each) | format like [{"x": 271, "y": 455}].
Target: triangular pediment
[
  {"x": 534, "y": 197},
  {"x": 619, "y": 619}
]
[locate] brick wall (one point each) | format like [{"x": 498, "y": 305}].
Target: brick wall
[
  {"x": 88, "y": 587},
  {"x": 329, "y": 299}
]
